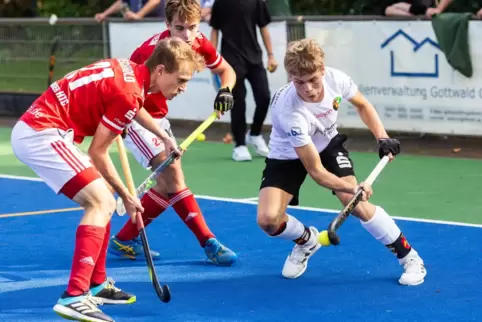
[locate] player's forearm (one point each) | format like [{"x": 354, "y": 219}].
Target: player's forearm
[
  {"x": 370, "y": 117},
  {"x": 147, "y": 122},
  {"x": 328, "y": 180},
  {"x": 103, "y": 164},
  {"x": 267, "y": 40},
  {"x": 227, "y": 77},
  {"x": 148, "y": 7}
]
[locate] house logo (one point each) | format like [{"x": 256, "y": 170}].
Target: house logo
[{"x": 407, "y": 59}]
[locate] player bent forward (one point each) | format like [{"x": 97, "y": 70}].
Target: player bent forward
[
  {"x": 98, "y": 100},
  {"x": 304, "y": 140},
  {"x": 182, "y": 19}
]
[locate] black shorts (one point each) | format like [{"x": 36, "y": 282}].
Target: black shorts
[{"x": 289, "y": 175}]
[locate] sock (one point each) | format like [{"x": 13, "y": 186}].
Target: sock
[
  {"x": 188, "y": 210},
  {"x": 88, "y": 245},
  {"x": 99, "y": 275},
  {"x": 293, "y": 230},
  {"x": 384, "y": 229},
  {"x": 154, "y": 204}
]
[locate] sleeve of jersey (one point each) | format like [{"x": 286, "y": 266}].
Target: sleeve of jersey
[
  {"x": 348, "y": 86},
  {"x": 212, "y": 58},
  {"x": 296, "y": 128},
  {"x": 120, "y": 111}
]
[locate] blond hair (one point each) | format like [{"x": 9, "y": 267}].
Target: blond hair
[
  {"x": 304, "y": 57},
  {"x": 187, "y": 10},
  {"x": 172, "y": 53}
]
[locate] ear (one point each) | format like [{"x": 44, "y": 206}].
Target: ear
[
  {"x": 160, "y": 69},
  {"x": 323, "y": 70}
]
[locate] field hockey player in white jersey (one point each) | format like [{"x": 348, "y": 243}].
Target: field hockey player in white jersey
[{"x": 305, "y": 140}]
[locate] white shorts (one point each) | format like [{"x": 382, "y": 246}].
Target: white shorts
[
  {"x": 52, "y": 155},
  {"x": 143, "y": 144}
]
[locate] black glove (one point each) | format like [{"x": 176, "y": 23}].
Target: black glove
[
  {"x": 224, "y": 100},
  {"x": 386, "y": 146}
]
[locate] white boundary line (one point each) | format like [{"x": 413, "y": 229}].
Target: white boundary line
[{"x": 252, "y": 201}]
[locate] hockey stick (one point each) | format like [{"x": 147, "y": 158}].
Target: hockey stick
[
  {"x": 163, "y": 292},
  {"x": 52, "y": 60},
  {"x": 145, "y": 185},
  {"x": 343, "y": 215}
]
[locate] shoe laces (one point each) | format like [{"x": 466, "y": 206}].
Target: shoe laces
[
  {"x": 300, "y": 252},
  {"x": 413, "y": 265},
  {"x": 92, "y": 302},
  {"x": 110, "y": 285}
]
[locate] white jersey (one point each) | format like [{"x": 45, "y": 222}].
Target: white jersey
[{"x": 296, "y": 123}]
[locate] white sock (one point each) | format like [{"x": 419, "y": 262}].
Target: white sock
[
  {"x": 382, "y": 227},
  {"x": 294, "y": 229}
]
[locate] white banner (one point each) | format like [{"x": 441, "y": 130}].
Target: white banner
[
  {"x": 197, "y": 102},
  {"x": 399, "y": 67}
]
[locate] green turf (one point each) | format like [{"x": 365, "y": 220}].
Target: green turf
[{"x": 412, "y": 186}]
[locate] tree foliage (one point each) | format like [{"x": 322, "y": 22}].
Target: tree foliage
[{"x": 88, "y": 8}]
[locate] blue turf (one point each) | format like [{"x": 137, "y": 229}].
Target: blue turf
[{"x": 356, "y": 281}]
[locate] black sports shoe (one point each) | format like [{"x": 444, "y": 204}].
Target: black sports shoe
[{"x": 109, "y": 294}]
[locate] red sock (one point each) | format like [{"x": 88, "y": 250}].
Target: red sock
[
  {"x": 99, "y": 274},
  {"x": 87, "y": 248},
  {"x": 188, "y": 210},
  {"x": 154, "y": 204}
]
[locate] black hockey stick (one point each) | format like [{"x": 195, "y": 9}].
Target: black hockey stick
[
  {"x": 343, "y": 215},
  {"x": 163, "y": 292}
]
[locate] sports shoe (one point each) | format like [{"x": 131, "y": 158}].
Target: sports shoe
[
  {"x": 131, "y": 249},
  {"x": 81, "y": 308},
  {"x": 259, "y": 144},
  {"x": 241, "y": 153},
  {"x": 218, "y": 253},
  {"x": 414, "y": 270},
  {"x": 297, "y": 262},
  {"x": 109, "y": 294}
]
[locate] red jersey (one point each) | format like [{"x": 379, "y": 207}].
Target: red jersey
[
  {"x": 156, "y": 104},
  {"x": 109, "y": 91}
]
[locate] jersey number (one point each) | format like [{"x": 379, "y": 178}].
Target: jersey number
[{"x": 106, "y": 72}]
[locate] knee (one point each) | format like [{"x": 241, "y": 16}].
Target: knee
[
  {"x": 269, "y": 221},
  {"x": 174, "y": 177}
]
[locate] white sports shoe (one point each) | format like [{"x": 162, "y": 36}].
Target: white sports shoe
[
  {"x": 259, "y": 144},
  {"x": 297, "y": 261},
  {"x": 241, "y": 153},
  {"x": 414, "y": 271}
]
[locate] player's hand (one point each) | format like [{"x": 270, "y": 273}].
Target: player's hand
[
  {"x": 170, "y": 146},
  {"x": 133, "y": 206},
  {"x": 390, "y": 147},
  {"x": 367, "y": 191},
  {"x": 224, "y": 100}
]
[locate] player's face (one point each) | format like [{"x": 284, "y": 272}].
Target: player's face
[
  {"x": 172, "y": 84},
  {"x": 309, "y": 87},
  {"x": 186, "y": 30}
]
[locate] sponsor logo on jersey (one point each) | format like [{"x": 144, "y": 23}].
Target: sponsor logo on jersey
[{"x": 295, "y": 131}]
